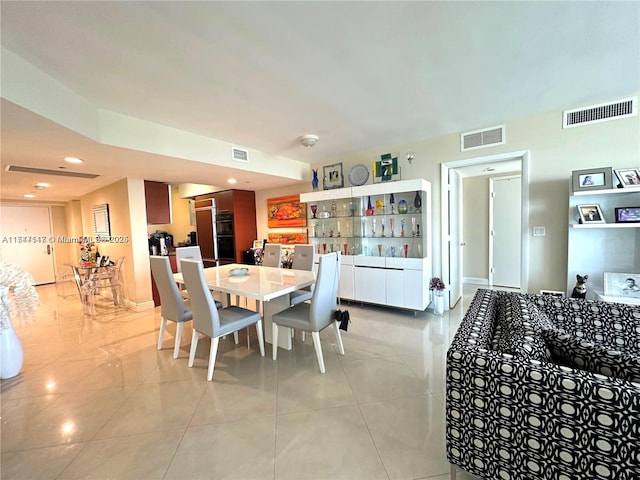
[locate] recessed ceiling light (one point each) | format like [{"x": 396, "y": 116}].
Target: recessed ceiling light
[
  {"x": 232, "y": 181},
  {"x": 73, "y": 160},
  {"x": 42, "y": 185},
  {"x": 29, "y": 195}
]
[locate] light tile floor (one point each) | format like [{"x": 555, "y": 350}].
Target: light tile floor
[{"x": 95, "y": 399}]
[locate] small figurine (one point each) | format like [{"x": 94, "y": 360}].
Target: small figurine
[{"x": 580, "y": 290}]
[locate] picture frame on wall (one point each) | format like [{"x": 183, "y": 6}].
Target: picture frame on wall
[
  {"x": 332, "y": 176},
  {"x": 590, "y": 214},
  {"x": 592, "y": 179},
  {"x": 628, "y": 177},
  {"x": 622, "y": 284}
]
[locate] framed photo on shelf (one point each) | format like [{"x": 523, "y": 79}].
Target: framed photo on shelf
[
  {"x": 629, "y": 177},
  {"x": 553, "y": 293},
  {"x": 622, "y": 284},
  {"x": 590, "y": 214},
  {"x": 628, "y": 215},
  {"x": 592, "y": 179},
  {"x": 332, "y": 176}
]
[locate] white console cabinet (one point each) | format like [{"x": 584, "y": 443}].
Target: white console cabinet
[{"x": 384, "y": 234}]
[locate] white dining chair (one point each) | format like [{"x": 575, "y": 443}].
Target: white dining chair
[
  {"x": 211, "y": 321},
  {"x": 316, "y": 315},
  {"x": 192, "y": 252},
  {"x": 173, "y": 306}
]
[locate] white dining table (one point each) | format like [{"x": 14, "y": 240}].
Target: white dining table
[{"x": 270, "y": 285}]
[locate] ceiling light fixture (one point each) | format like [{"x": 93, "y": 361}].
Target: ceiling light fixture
[
  {"x": 309, "y": 140},
  {"x": 41, "y": 185},
  {"x": 232, "y": 181},
  {"x": 29, "y": 195},
  {"x": 73, "y": 160}
]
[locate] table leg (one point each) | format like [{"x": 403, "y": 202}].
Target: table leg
[{"x": 270, "y": 308}]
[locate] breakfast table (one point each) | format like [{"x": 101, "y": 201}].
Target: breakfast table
[{"x": 270, "y": 285}]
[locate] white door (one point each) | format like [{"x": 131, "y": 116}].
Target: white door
[
  {"x": 26, "y": 240},
  {"x": 505, "y": 231},
  {"x": 455, "y": 237}
]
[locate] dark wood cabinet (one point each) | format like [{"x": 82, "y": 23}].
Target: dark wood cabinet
[
  {"x": 154, "y": 289},
  {"x": 242, "y": 204},
  {"x": 157, "y": 197}
]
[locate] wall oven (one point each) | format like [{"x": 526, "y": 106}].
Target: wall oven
[{"x": 226, "y": 244}]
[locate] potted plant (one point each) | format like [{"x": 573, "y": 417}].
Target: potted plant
[
  {"x": 437, "y": 286},
  {"x": 18, "y": 285}
]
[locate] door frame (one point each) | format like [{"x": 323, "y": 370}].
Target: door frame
[
  {"x": 524, "y": 156},
  {"x": 492, "y": 218}
]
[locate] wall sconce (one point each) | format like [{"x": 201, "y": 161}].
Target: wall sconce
[{"x": 410, "y": 156}]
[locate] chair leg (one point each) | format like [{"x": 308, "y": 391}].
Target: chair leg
[
  {"x": 236, "y": 339},
  {"x": 260, "y": 336},
  {"x": 163, "y": 326},
  {"x": 194, "y": 345},
  {"x": 316, "y": 345},
  {"x": 176, "y": 348},
  {"x": 338, "y": 338},
  {"x": 303, "y": 336},
  {"x": 453, "y": 472},
  {"x": 274, "y": 340},
  {"x": 212, "y": 358}
]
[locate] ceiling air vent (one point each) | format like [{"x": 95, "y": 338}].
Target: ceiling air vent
[
  {"x": 44, "y": 171},
  {"x": 240, "y": 154},
  {"x": 602, "y": 112},
  {"x": 482, "y": 138}
]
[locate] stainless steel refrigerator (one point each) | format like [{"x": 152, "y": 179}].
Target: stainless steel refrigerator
[{"x": 207, "y": 235}]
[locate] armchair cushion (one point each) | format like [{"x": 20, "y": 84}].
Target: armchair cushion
[{"x": 586, "y": 355}]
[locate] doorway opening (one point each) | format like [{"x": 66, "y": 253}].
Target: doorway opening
[{"x": 452, "y": 233}]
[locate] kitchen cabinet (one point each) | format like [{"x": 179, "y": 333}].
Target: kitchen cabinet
[
  {"x": 384, "y": 234},
  {"x": 241, "y": 205},
  {"x": 157, "y": 197},
  {"x": 595, "y": 248}
]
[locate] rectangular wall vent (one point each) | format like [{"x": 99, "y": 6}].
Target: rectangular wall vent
[
  {"x": 239, "y": 154},
  {"x": 482, "y": 138},
  {"x": 627, "y": 107},
  {"x": 44, "y": 171}
]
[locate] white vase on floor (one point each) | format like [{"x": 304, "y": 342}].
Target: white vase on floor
[
  {"x": 11, "y": 354},
  {"x": 438, "y": 302}
]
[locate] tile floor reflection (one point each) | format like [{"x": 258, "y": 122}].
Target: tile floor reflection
[{"x": 95, "y": 399}]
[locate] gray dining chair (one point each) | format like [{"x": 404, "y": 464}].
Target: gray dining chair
[
  {"x": 272, "y": 255},
  {"x": 210, "y": 320},
  {"x": 173, "y": 306},
  {"x": 316, "y": 315},
  {"x": 303, "y": 258}
]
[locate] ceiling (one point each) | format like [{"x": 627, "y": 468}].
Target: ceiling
[{"x": 360, "y": 75}]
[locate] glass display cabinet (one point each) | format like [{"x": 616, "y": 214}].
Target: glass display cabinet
[{"x": 383, "y": 232}]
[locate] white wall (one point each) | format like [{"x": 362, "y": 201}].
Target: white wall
[{"x": 554, "y": 153}]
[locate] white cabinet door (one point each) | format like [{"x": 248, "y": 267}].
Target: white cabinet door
[
  {"x": 416, "y": 290},
  {"x": 346, "y": 282},
  {"x": 370, "y": 285},
  {"x": 395, "y": 287}
]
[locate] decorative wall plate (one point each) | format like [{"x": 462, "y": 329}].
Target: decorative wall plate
[{"x": 358, "y": 175}]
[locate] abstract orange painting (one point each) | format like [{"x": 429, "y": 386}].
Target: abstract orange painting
[
  {"x": 288, "y": 238},
  {"x": 286, "y": 212}
]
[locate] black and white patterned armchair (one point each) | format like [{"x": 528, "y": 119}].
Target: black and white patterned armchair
[{"x": 544, "y": 388}]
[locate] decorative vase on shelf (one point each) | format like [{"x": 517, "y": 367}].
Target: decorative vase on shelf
[
  {"x": 314, "y": 181},
  {"x": 402, "y": 206},
  {"x": 417, "y": 201},
  {"x": 11, "y": 353},
  {"x": 369, "y": 207}
]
